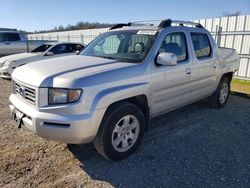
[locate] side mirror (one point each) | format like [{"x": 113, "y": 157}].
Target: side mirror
[
  {"x": 167, "y": 59},
  {"x": 50, "y": 54}
]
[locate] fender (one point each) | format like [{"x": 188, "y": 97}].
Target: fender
[{"x": 108, "y": 96}]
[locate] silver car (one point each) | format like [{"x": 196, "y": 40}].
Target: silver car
[
  {"x": 44, "y": 51},
  {"x": 126, "y": 76},
  {"x": 13, "y": 41}
]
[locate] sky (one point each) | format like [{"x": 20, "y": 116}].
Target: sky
[{"x": 31, "y": 15}]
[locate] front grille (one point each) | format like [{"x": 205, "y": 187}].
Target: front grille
[{"x": 29, "y": 94}]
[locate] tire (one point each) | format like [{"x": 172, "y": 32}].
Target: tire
[
  {"x": 220, "y": 97},
  {"x": 112, "y": 142}
]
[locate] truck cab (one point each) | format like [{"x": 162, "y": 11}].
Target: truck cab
[{"x": 11, "y": 42}]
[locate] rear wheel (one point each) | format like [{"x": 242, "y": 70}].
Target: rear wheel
[
  {"x": 220, "y": 97},
  {"x": 121, "y": 131}
]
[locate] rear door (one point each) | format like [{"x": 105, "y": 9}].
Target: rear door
[{"x": 204, "y": 69}]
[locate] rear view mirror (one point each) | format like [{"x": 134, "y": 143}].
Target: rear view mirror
[
  {"x": 49, "y": 54},
  {"x": 167, "y": 59}
]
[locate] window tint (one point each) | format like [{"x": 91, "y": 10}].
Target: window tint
[
  {"x": 9, "y": 37},
  {"x": 66, "y": 48},
  {"x": 13, "y": 37},
  {"x": 41, "y": 48},
  {"x": 75, "y": 47},
  {"x": 201, "y": 45},
  {"x": 175, "y": 43},
  {"x": 3, "y": 37},
  {"x": 61, "y": 48}
]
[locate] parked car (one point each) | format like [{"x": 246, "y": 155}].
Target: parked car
[
  {"x": 126, "y": 76},
  {"x": 45, "y": 51},
  {"x": 13, "y": 42}
]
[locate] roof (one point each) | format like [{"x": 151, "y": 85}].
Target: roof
[{"x": 7, "y": 29}]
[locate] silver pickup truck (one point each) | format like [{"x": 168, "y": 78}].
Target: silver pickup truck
[
  {"x": 13, "y": 42},
  {"x": 126, "y": 76}
]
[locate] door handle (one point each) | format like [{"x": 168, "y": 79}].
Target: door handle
[
  {"x": 7, "y": 43},
  {"x": 188, "y": 72}
]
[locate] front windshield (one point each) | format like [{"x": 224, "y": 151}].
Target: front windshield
[
  {"x": 127, "y": 46},
  {"x": 41, "y": 48}
]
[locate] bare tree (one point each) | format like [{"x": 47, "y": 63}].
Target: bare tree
[
  {"x": 228, "y": 14},
  {"x": 79, "y": 25}
]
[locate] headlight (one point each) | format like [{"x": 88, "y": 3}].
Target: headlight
[
  {"x": 63, "y": 96},
  {"x": 6, "y": 63},
  {"x": 2, "y": 63}
]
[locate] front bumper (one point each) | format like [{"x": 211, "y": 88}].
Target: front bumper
[{"x": 68, "y": 128}]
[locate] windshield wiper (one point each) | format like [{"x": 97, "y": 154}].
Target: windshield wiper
[
  {"x": 107, "y": 57},
  {"x": 120, "y": 59}
]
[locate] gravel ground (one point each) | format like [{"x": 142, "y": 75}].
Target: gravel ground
[{"x": 195, "y": 146}]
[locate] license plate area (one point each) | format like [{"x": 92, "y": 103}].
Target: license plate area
[{"x": 16, "y": 117}]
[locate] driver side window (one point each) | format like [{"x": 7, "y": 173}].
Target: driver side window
[
  {"x": 175, "y": 43},
  {"x": 59, "y": 49}
]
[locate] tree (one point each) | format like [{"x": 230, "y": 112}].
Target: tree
[
  {"x": 228, "y": 14},
  {"x": 60, "y": 28},
  {"x": 79, "y": 25}
]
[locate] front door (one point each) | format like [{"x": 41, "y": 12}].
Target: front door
[{"x": 172, "y": 85}]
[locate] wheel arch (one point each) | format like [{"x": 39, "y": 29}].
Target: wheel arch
[
  {"x": 229, "y": 75},
  {"x": 140, "y": 101}
]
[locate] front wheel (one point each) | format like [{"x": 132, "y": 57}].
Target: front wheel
[
  {"x": 220, "y": 97},
  {"x": 121, "y": 131}
]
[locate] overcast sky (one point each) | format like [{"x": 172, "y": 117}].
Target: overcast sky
[{"x": 33, "y": 15}]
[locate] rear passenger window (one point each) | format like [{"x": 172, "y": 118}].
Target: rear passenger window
[
  {"x": 76, "y": 47},
  {"x": 3, "y": 37},
  {"x": 13, "y": 37},
  {"x": 201, "y": 45},
  {"x": 175, "y": 43}
]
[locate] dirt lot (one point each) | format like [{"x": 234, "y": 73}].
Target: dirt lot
[{"x": 195, "y": 146}]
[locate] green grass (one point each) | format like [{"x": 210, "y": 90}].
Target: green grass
[{"x": 238, "y": 81}]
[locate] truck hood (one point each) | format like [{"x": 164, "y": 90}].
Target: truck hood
[
  {"x": 20, "y": 56},
  {"x": 64, "y": 71}
]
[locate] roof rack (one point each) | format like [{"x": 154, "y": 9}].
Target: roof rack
[
  {"x": 120, "y": 25},
  {"x": 163, "y": 24},
  {"x": 7, "y": 29},
  {"x": 169, "y": 22}
]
